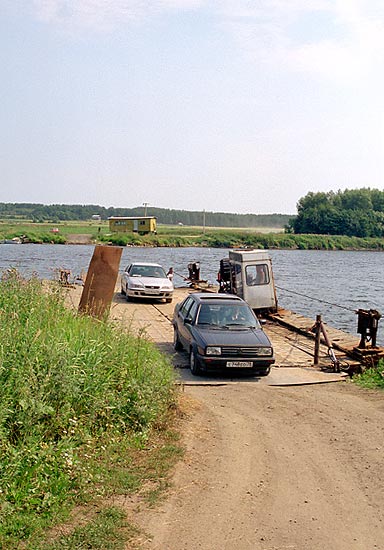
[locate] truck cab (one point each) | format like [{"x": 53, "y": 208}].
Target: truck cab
[{"x": 248, "y": 274}]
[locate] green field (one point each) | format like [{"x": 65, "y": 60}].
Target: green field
[{"x": 8, "y": 227}]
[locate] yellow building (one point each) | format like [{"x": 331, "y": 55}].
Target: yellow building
[{"x": 139, "y": 224}]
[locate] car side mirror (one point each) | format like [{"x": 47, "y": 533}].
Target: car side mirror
[{"x": 188, "y": 321}]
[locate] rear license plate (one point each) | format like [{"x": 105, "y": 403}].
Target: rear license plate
[{"x": 239, "y": 364}]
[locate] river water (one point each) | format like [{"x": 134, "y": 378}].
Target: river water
[{"x": 308, "y": 281}]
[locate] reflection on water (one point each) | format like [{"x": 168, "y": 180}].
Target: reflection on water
[{"x": 349, "y": 279}]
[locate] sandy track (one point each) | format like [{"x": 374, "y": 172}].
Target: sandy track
[
  {"x": 277, "y": 468},
  {"x": 270, "y": 468}
]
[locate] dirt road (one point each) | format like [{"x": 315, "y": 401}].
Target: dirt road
[
  {"x": 275, "y": 469},
  {"x": 269, "y": 467}
]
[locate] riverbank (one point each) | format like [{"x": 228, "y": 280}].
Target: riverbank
[
  {"x": 182, "y": 237},
  {"x": 224, "y": 239},
  {"x": 176, "y": 236}
]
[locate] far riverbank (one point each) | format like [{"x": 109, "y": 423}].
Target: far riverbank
[
  {"x": 215, "y": 238},
  {"x": 176, "y": 236}
]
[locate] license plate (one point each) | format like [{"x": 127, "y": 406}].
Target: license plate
[{"x": 239, "y": 364}]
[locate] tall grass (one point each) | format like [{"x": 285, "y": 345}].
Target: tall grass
[{"x": 69, "y": 387}]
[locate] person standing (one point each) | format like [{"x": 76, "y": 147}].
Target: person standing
[{"x": 170, "y": 274}]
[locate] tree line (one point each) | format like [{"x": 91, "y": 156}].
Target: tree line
[
  {"x": 352, "y": 212},
  {"x": 77, "y": 212}
]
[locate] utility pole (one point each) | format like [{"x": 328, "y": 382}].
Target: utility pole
[{"x": 145, "y": 204}]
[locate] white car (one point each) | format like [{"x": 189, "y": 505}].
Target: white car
[{"x": 146, "y": 280}]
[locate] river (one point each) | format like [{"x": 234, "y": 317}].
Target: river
[{"x": 308, "y": 281}]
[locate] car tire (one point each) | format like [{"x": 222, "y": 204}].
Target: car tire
[
  {"x": 262, "y": 372},
  {"x": 194, "y": 364},
  {"x": 122, "y": 291},
  {"x": 176, "y": 341},
  {"x": 129, "y": 298}
]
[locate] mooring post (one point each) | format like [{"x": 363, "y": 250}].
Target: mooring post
[{"x": 317, "y": 340}]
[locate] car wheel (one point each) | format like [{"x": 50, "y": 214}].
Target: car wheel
[
  {"x": 193, "y": 363},
  {"x": 176, "y": 341},
  {"x": 122, "y": 291},
  {"x": 129, "y": 298},
  {"x": 262, "y": 372}
]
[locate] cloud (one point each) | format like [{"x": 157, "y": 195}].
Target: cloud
[
  {"x": 338, "y": 39},
  {"x": 105, "y": 15},
  {"x": 342, "y": 40}
]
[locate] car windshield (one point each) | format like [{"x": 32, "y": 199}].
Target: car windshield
[
  {"x": 147, "y": 271},
  {"x": 227, "y": 315}
]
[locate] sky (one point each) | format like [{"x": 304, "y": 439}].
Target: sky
[{"x": 218, "y": 105}]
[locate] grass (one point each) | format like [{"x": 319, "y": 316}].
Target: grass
[
  {"x": 109, "y": 530},
  {"x": 372, "y": 378},
  {"x": 84, "y": 412},
  {"x": 39, "y": 233}
]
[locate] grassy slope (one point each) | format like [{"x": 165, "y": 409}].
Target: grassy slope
[{"x": 84, "y": 411}]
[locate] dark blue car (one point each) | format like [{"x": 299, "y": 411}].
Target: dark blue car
[{"x": 220, "y": 331}]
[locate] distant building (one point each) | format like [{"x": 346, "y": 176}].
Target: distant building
[
  {"x": 96, "y": 217},
  {"x": 139, "y": 224}
]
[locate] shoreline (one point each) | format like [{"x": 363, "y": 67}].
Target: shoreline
[
  {"x": 214, "y": 238},
  {"x": 89, "y": 242}
]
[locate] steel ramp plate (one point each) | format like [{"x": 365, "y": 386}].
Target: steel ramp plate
[
  {"x": 298, "y": 376},
  {"x": 292, "y": 376}
]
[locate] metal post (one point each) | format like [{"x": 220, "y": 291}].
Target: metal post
[
  {"x": 100, "y": 283},
  {"x": 317, "y": 340}
]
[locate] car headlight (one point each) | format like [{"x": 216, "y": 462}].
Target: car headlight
[
  {"x": 264, "y": 351},
  {"x": 136, "y": 285},
  {"x": 213, "y": 350}
]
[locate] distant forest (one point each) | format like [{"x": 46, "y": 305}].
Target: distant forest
[
  {"x": 353, "y": 212},
  {"x": 78, "y": 212}
]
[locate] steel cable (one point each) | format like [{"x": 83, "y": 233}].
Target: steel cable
[{"x": 316, "y": 299}]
